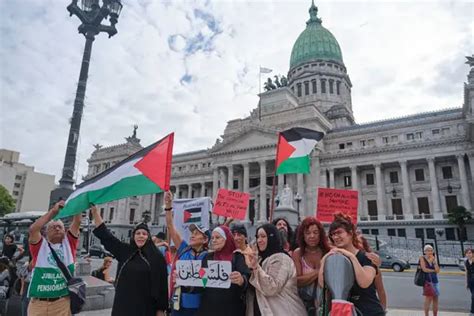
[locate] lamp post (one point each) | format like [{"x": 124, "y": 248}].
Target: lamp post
[
  {"x": 91, "y": 14},
  {"x": 298, "y": 199},
  {"x": 439, "y": 232}
]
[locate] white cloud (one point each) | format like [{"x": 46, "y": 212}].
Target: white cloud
[{"x": 190, "y": 66}]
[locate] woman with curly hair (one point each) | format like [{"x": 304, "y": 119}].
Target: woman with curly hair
[
  {"x": 312, "y": 246},
  {"x": 343, "y": 235}
]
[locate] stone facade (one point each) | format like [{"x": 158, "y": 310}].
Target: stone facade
[{"x": 409, "y": 171}]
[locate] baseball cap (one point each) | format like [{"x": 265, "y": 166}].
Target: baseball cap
[
  {"x": 240, "y": 229},
  {"x": 201, "y": 229}
]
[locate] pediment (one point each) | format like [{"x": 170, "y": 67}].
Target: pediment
[{"x": 249, "y": 138}]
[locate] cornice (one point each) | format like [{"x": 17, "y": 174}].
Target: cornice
[{"x": 422, "y": 222}]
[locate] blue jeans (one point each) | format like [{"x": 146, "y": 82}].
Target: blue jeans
[{"x": 184, "y": 312}]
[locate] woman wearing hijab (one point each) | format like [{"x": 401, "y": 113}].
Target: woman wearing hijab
[
  {"x": 215, "y": 300},
  {"x": 141, "y": 287},
  {"x": 273, "y": 277}
]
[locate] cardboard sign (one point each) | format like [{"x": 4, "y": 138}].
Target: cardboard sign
[
  {"x": 190, "y": 211},
  {"x": 191, "y": 273},
  {"x": 332, "y": 201},
  {"x": 231, "y": 204}
]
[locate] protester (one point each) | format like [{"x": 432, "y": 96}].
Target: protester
[
  {"x": 239, "y": 232},
  {"x": 430, "y": 267},
  {"x": 342, "y": 233},
  {"x": 24, "y": 275},
  {"x": 5, "y": 283},
  {"x": 103, "y": 273},
  {"x": 185, "y": 300},
  {"x": 214, "y": 300},
  {"x": 312, "y": 246},
  {"x": 9, "y": 248},
  {"x": 284, "y": 227},
  {"x": 382, "y": 295},
  {"x": 141, "y": 286},
  {"x": 470, "y": 275},
  {"x": 48, "y": 291},
  {"x": 273, "y": 277}
]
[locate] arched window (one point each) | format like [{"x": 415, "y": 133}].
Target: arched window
[
  {"x": 298, "y": 87},
  {"x": 313, "y": 83},
  {"x": 338, "y": 87},
  {"x": 331, "y": 86},
  {"x": 306, "y": 88},
  {"x": 323, "y": 85}
]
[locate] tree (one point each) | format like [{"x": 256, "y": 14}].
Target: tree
[
  {"x": 460, "y": 217},
  {"x": 7, "y": 204}
]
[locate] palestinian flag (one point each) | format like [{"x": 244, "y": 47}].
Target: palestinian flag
[
  {"x": 145, "y": 172},
  {"x": 192, "y": 215},
  {"x": 294, "y": 147}
]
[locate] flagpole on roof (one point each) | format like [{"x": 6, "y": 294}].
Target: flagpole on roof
[{"x": 261, "y": 70}]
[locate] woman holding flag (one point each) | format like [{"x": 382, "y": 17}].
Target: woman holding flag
[{"x": 141, "y": 287}]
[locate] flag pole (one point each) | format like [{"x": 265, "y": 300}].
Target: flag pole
[
  {"x": 259, "y": 92},
  {"x": 272, "y": 205}
]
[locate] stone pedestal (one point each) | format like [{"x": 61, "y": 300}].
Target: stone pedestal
[
  {"x": 288, "y": 212},
  {"x": 99, "y": 294}
]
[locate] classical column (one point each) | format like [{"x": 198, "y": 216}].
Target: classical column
[
  {"x": 331, "y": 178},
  {"x": 203, "y": 189},
  {"x": 263, "y": 191},
  {"x": 355, "y": 187},
  {"x": 190, "y": 191},
  {"x": 324, "y": 178},
  {"x": 434, "y": 185},
  {"x": 471, "y": 164},
  {"x": 230, "y": 175},
  {"x": 246, "y": 184},
  {"x": 407, "y": 208},
  {"x": 464, "y": 185},
  {"x": 215, "y": 182},
  {"x": 222, "y": 179},
  {"x": 380, "y": 189},
  {"x": 301, "y": 192}
]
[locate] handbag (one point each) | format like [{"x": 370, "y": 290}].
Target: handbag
[
  {"x": 420, "y": 276},
  {"x": 76, "y": 286},
  {"x": 429, "y": 289}
]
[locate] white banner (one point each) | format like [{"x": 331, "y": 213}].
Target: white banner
[
  {"x": 190, "y": 211},
  {"x": 191, "y": 273}
]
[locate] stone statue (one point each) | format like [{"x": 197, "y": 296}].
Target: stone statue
[
  {"x": 286, "y": 199},
  {"x": 269, "y": 85},
  {"x": 97, "y": 146},
  {"x": 470, "y": 60},
  {"x": 283, "y": 81},
  {"x": 135, "y": 127},
  {"x": 277, "y": 82}
]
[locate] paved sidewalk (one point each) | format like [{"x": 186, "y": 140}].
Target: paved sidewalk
[{"x": 392, "y": 312}]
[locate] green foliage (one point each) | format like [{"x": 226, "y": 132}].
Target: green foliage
[
  {"x": 7, "y": 204},
  {"x": 460, "y": 217}
]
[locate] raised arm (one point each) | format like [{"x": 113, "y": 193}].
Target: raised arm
[
  {"x": 364, "y": 275},
  {"x": 174, "y": 234},
  {"x": 424, "y": 267},
  {"x": 110, "y": 242},
  {"x": 35, "y": 228},
  {"x": 74, "y": 229}
]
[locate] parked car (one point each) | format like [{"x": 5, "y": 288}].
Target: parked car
[
  {"x": 391, "y": 262},
  {"x": 99, "y": 251},
  {"x": 462, "y": 264}
]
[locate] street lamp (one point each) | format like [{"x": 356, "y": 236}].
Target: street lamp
[
  {"x": 298, "y": 199},
  {"x": 394, "y": 192},
  {"x": 91, "y": 14},
  {"x": 277, "y": 200}
]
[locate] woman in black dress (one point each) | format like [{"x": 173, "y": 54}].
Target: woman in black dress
[
  {"x": 232, "y": 300},
  {"x": 141, "y": 285},
  {"x": 470, "y": 275}
]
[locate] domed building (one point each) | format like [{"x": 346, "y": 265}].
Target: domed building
[{"x": 409, "y": 171}]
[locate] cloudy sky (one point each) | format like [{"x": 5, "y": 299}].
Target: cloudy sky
[{"x": 190, "y": 66}]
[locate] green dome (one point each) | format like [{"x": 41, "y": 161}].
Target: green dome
[{"x": 315, "y": 42}]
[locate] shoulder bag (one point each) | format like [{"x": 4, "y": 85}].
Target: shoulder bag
[{"x": 420, "y": 276}]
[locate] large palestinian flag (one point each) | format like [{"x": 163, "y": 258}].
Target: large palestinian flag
[
  {"x": 145, "y": 172},
  {"x": 294, "y": 147}
]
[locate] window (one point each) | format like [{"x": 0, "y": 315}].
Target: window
[
  {"x": 451, "y": 202},
  {"x": 419, "y": 175},
  {"x": 391, "y": 232},
  {"x": 447, "y": 172},
  {"x": 445, "y": 131},
  {"x": 314, "y": 86},
  {"x": 372, "y": 207},
  {"x": 15, "y": 193},
  {"x": 17, "y": 185},
  {"x": 371, "y": 142},
  {"x": 362, "y": 143},
  {"x": 254, "y": 182},
  {"x": 298, "y": 87},
  {"x": 366, "y": 231},
  {"x": 450, "y": 234},
  {"x": 347, "y": 181},
  {"x": 430, "y": 233},
  {"x": 132, "y": 215},
  {"x": 18, "y": 177},
  {"x": 385, "y": 140},
  {"x": 235, "y": 184},
  {"x": 111, "y": 214},
  {"x": 393, "y": 177},
  {"x": 331, "y": 86},
  {"x": 435, "y": 132},
  {"x": 369, "y": 179},
  {"x": 423, "y": 205},
  {"x": 401, "y": 232},
  {"x": 338, "y": 87},
  {"x": 374, "y": 231},
  {"x": 349, "y": 145},
  {"x": 419, "y": 135},
  {"x": 270, "y": 181},
  {"x": 419, "y": 233},
  {"x": 306, "y": 88},
  {"x": 342, "y": 146},
  {"x": 323, "y": 85},
  {"x": 397, "y": 208},
  {"x": 179, "y": 168},
  {"x": 102, "y": 212},
  {"x": 410, "y": 136},
  {"x": 394, "y": 138}
]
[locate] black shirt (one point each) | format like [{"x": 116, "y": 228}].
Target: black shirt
[
  {"x": 469, "y": 271},
  {"x": 9, "y": 250},
  {"x": 366, "y": 300}
]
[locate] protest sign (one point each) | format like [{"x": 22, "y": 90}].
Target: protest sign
[
  {"x": 331, "y": 201},
  {"x": 231, "y": 204},
  {"x": 215, "y": 275},
  {"x": 190, "y": 211}
]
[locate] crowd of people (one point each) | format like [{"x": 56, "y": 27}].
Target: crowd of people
[{"x": 278, "y": 272}]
